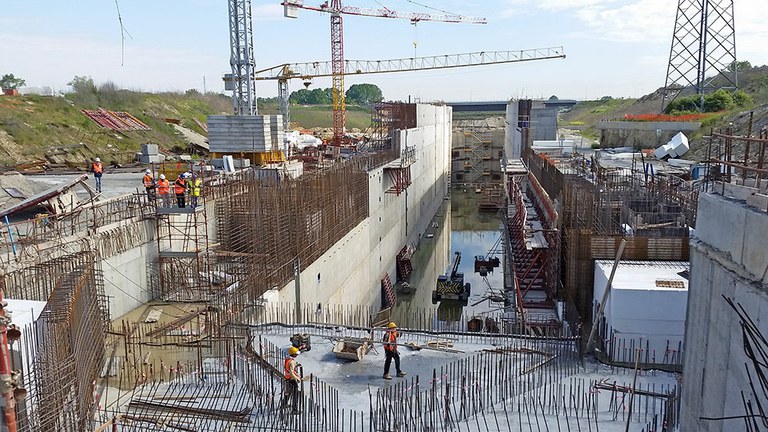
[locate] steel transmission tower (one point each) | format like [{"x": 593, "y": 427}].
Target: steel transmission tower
[
  {"x": 703, "y": 52},
  {"x": 241, "y": 57}
]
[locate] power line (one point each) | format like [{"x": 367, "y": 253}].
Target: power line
[{"x": 123, "y": 32}]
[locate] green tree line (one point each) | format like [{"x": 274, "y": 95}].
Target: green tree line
[{"x": 357, "y": 94}]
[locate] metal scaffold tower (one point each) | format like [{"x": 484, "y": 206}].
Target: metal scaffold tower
[
  {"x": 182, "y": 243},
  {"x": 703, "y": 52}
]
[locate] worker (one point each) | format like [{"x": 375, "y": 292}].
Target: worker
[
  {"x": 292, "y": 380},
  {"x": 180, "y": 188},
  {"x": 149, "y": 184},
  {"x": 196, "y": 185},
  {"x": 164, "y": 190},
  {"x": 391, "y": 352},
  {"x": 97, "y": 168}
]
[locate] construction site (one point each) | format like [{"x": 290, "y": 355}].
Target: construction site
[{"x": 607, "y": 288}]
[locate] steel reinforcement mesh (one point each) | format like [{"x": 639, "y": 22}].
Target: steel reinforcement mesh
[
  {"x": 64, "y": 348},
  {"x": 265, "y": 224}
]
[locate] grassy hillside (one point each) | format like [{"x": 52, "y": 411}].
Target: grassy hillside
[
  {"x": 54, "y": 128},
  {"x": 754, "y": 81}
]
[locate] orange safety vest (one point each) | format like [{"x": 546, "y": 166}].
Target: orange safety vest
[
  {"x": 98, "y": 168},
  {"x": 179, "y": 186},
  {"x": 148, "y": 181},
  {"x": 163, "y": 187},
  {"x": 391, "y": 338},
  {"x": 288, "y": 367}
]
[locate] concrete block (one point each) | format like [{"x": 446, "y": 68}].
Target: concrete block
[
  {"x": 737, "y": 191},
  {"x": 719, "y": 223},
  {"x": 151, "y": 159},
  {"x": 242, "y": 163},
  {"x": 758, "y": 201},
  {"x": 149, "y": 149},
  {"x": 755, "y": 258},
  {"x": 661, "y": 152}
]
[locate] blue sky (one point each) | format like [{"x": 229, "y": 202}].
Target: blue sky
[{"x": 614, "y": 47}]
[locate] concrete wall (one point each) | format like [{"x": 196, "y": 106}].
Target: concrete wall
[
  {"x": 641, "y": 134},
  {"x": 729, "y": 257},
  {"x": 350, "y": 272},
  {"x": 543, "y": 123}
]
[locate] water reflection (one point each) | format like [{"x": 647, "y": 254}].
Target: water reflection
[{"x": 458, "y": 227}]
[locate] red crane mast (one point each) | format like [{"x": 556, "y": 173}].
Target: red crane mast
[{"x": 336, "y": 9}]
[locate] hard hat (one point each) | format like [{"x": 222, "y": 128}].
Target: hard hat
[
  {"x": 293, "y": 351},
  {"x": 98, "y": 160},
  {"x": 147, "y": 172},
  {"x": 392, "y": 325},
  {"x": 162, "y": 176}
]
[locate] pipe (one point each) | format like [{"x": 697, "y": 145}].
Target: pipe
[{"x": 9, "y": 413}]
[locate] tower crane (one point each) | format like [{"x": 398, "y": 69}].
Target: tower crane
[
  {"x": 241, "y": 58},
  {"x": 336, "y": 10},
  {"x": 306, "y": 71}
]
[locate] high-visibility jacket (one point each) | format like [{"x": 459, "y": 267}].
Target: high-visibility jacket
[
  {"x": 196, "y": 184},
  {"x": 148, "y": 181},
  {"x": 179, "y": 186},
  {"x": 390, "y": 337},
  {"x": 97, "y": 168},
  {"x": 289, "y": 368},
  {"x": 163, "y": 187}
]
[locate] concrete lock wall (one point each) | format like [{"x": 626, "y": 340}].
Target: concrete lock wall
[
  {"x": 125, "y": 278},
  {"x": 350, "y": 272},
  {"x": 126, "y": 250},
  {"x": 729, "y": 258}
]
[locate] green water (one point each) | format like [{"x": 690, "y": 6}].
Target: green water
[{"x": 457, "y": 227}]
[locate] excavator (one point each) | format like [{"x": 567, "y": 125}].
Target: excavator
[{"x": 451, "y": 286}]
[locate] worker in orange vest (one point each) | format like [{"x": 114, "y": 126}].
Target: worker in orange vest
[
  {"x": 164, "y": 190},
  {"x": 149, "y": 184},
  {"x": 391, "y": 352},
  {"x": 180, "y": 188},
  {"x": 97, "y": 168},
  {"x": 292, "y": 380}
]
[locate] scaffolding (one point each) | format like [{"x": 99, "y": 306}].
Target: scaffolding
[
  {"x": 601, "y": 205},
  {"x": 184, "y": 270}
]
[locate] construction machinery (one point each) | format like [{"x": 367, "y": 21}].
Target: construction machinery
[
  {"x": 452, "y": 286},
  {"x": 310, "y": 70},
  {"x": 336, "y": 10}
]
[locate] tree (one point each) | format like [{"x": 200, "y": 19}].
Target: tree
[
  {"x": 364, "y": 94},
  {"x": 8, "y": 81},
  {"x": 311, "y": 97},
  {"x": 720, "y": 100},
  {"x": 82, "y": 84}
]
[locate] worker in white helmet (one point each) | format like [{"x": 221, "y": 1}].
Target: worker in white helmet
[
  {"x": 97, "y": 168},
  {"x": 164, "y": 190},
  {"x": 149, "y": 184}
]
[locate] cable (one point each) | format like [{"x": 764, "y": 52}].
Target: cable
[
  {"x": 123, "y": 32},
  {"x": 433, "y": 8}
]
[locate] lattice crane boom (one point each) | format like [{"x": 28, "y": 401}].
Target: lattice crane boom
[
  {"x": 384, "y": 13},
  {"x": 319, "y": 69},
  {"x": 336, "y": 9},
  {"x": 309, "y": 70}
]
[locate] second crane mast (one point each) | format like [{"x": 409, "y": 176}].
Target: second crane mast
[
  {"x": 241, "y": 58},
  {"x": 336, "y": 9}
]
